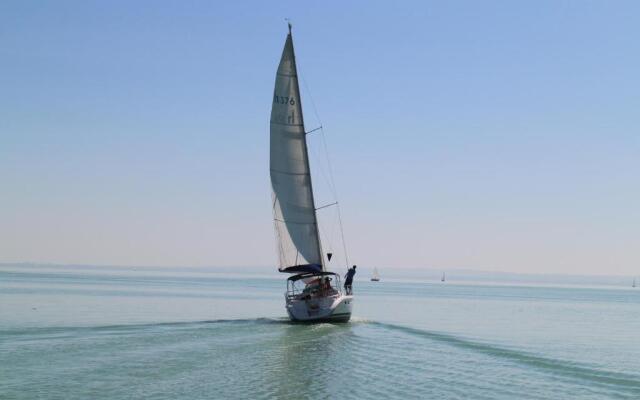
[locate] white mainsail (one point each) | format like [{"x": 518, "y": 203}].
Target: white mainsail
[{"x": 293, "y": 205}]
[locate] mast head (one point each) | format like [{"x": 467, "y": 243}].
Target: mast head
[{"x": 288, "y": 24}]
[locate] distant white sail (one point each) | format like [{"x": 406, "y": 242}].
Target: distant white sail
[
  {"x": 376, "y": 275},
  {"x": 293, "y": 205}
]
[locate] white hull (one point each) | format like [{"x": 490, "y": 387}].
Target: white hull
[{"x": 336, "y": 308}]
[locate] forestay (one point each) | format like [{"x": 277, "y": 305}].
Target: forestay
[{"x": 293, "y": 205}]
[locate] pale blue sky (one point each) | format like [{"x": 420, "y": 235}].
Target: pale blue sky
[{"x": 490, "y": 135}]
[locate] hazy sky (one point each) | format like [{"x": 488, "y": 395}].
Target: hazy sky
[{"x": 491, "y": 135}]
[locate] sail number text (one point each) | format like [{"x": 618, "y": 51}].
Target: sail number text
[{"x": 283, "y": 100}]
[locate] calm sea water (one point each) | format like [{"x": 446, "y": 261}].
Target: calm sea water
[{"x": 116, "y": 333}]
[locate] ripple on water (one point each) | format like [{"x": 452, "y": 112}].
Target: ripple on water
[{"x": 271, "y": 358}]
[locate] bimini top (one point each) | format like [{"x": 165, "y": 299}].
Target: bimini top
[
  {"x": 302, "y": 269},
  {"x": 294, "y": 278}
]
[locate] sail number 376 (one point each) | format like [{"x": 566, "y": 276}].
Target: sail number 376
[{"x": 283, "y": 100}]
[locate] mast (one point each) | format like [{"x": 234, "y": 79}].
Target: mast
[{"x": 306, "y": 152}]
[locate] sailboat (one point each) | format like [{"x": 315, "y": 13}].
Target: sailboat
[
  {"x": 634, "y": 283},
  {"x": 313, "y": 293},
  {"x": 442, "y": 279},
  {"x": 376, "y": 276}
]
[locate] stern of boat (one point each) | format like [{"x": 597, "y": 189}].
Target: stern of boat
[
  {"x": 325, "y": 309},
  {"x": 309, "y": 300}
]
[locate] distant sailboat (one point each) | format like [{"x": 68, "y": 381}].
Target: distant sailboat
[
  {"x": 634, "y": 283},
  {"x": 442, "y": 279},
  {"x": 313, "y": 293},
  {"x": 376, "y": 275}
]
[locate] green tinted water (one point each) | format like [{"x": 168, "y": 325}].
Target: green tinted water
[{"x": 72, "y": 333}]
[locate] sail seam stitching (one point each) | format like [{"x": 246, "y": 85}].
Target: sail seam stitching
[
  {"x": 294, "y": 222},
  {"x": 280, "y": 123},
  {"x": 289, "y": 173}
]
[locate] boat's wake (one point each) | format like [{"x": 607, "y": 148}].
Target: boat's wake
[
  {"x": 565, "y": 368},
  {"x": 629, "y": 383},
  {"x": 134, "y": 327}
]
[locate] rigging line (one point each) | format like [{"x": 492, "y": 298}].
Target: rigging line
[
  {"x": 327, "y": 205},
  {"x": 324, "y": 173},
  {"x": 326, "y": 155},
  {"x": 313, "y": 130},
  {"x": 313, "y": 103},
  {"x": 331, "y": 181},
  {"x": 332, "y": 186},
  {"x": 344, "y": 244},
  {"x": 332, "y": 230},
  {"x": 327, "y": 239},
  {"x": 323, "y": 235},
  {"x": 319, "y": 160},
  {"x": 326, "y": 152},
  {"x": 282, "y": 256},
  {"x": 335, "y": 194},
  {"x": 321, "y": 165}
]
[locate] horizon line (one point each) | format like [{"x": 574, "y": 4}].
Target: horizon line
[{"x": 402, "y": 268}]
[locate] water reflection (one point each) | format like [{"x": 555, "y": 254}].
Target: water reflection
[{"x": 309, "y": 358}]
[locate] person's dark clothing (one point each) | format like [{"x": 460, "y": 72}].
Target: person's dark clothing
[{"x": 348, "y": 280}]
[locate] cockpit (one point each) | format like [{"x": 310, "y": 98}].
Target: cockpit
[{"x": 313, "y": 285}]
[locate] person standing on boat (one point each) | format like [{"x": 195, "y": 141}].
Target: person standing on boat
[{"x": 348, "y": 279}]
